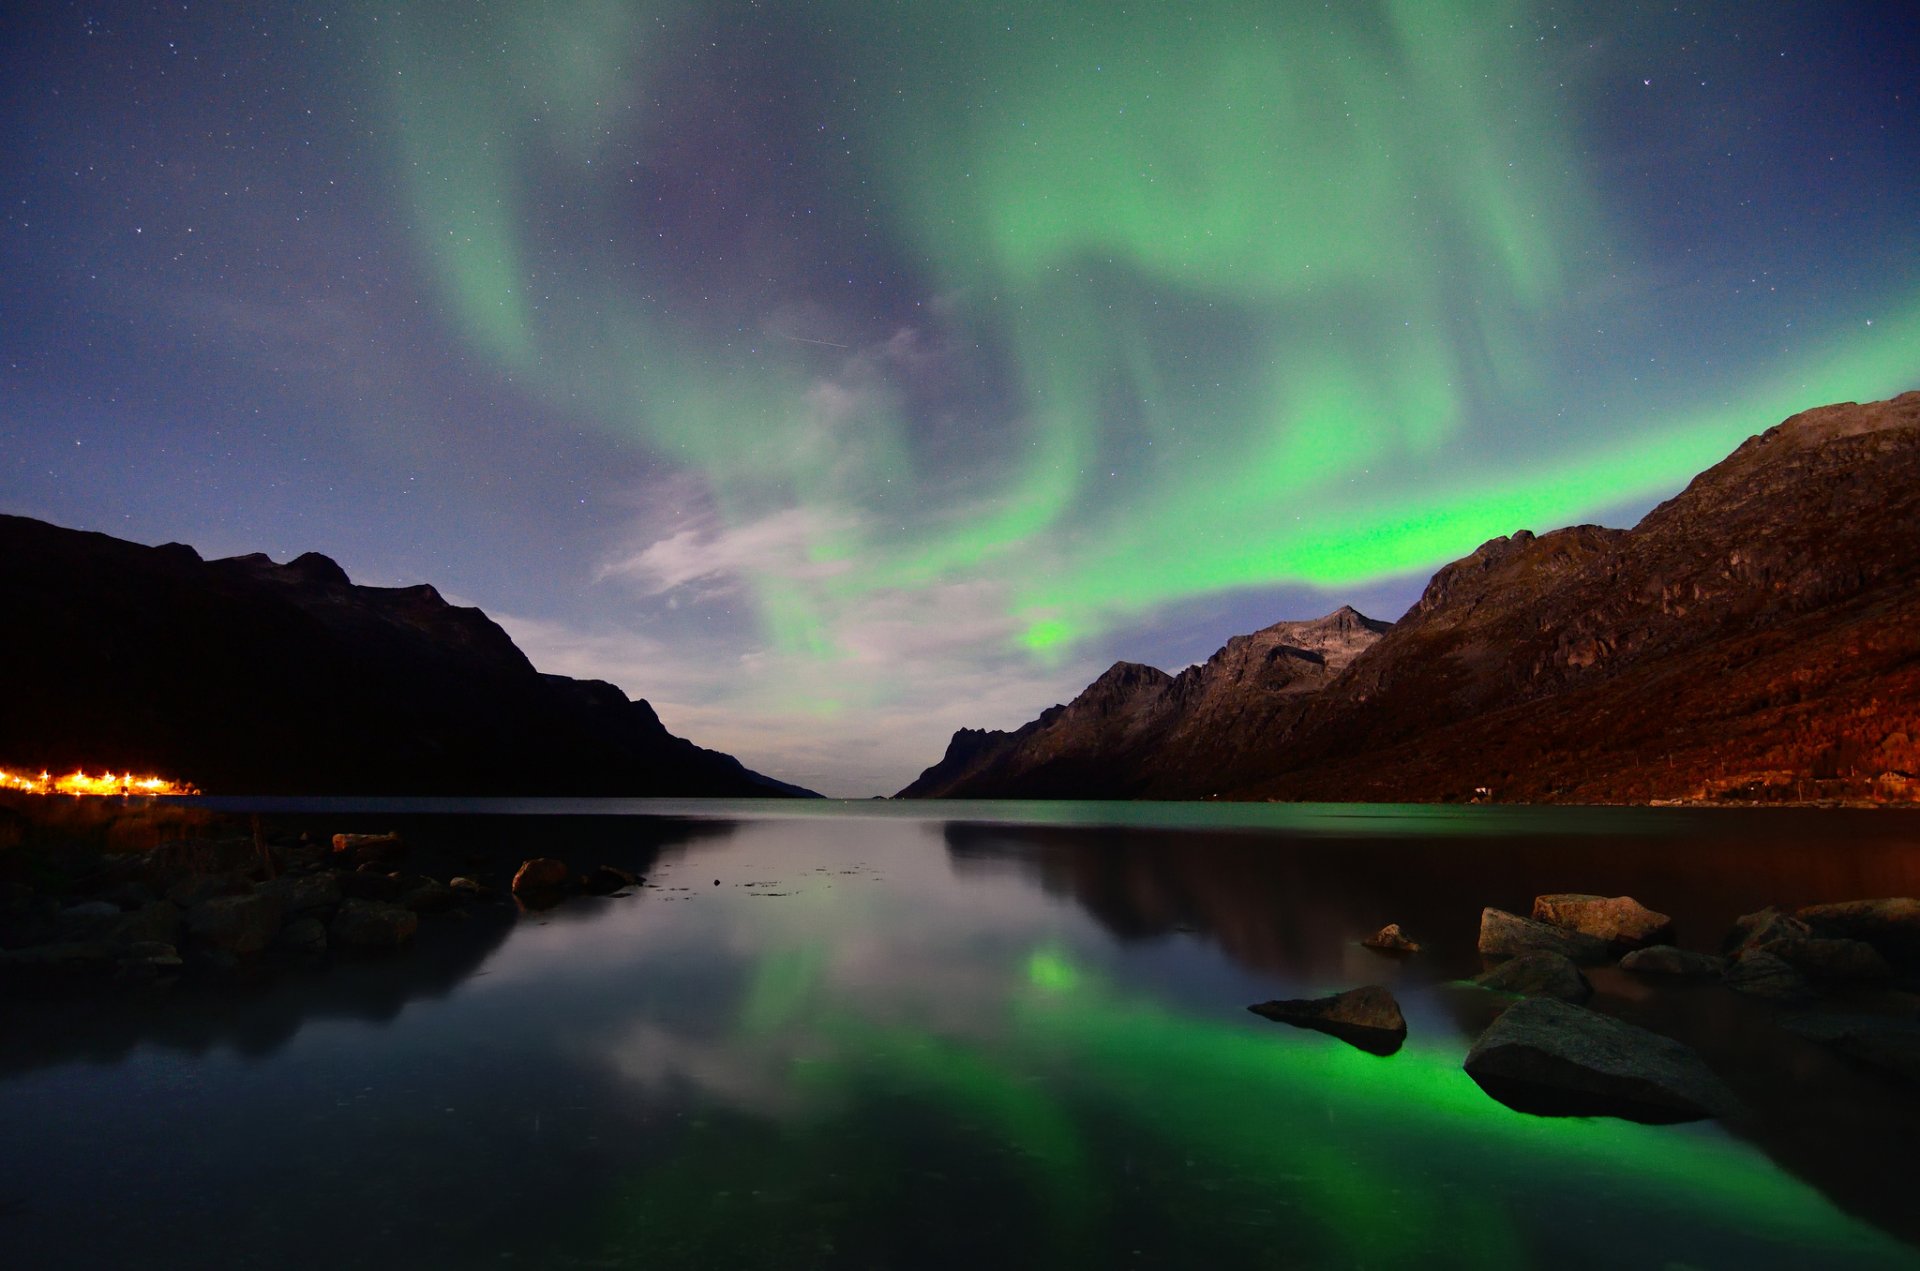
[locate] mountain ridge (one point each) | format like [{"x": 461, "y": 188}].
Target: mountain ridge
[
  {"x": 247, "y": 676},
  {"x": 1755, "y": 636}
]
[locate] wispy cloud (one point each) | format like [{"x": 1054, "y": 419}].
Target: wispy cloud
[{"x": 783, "y": 543}]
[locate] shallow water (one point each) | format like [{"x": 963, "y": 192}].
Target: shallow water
[{"x": 949, "y": 1035}]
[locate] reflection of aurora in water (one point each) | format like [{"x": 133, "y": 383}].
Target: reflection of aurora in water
[
  {"x": 1100, "y": 1121},
  {"x": 884, "y": 1041}
]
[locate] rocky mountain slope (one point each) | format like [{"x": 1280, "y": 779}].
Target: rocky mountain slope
[
  {"x": 1756, "y": 636},
  {"x": 245, "y": 676},
  {"x": 1136, "y": 732}
]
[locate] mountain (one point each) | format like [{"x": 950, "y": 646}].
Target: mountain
[
  {"x": 1137, "y": 732},
  {"x": 249, "y": 677},
  {"x": 1757, "y": 637}
]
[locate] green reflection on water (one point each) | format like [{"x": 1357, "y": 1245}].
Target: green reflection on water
[{"x": 1083, "y": 1116}]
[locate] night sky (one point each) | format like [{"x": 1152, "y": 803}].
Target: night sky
[{"x": 837, "y": 374}]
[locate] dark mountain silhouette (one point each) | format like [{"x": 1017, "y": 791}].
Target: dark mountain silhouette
[
  {"x": 1756, "y": 636},
  {"x": 248, "y": 677}
]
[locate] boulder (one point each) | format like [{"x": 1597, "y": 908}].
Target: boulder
[
  {"x": 1845, "y": 960},
  {"x": 1390, "y": 939},
  {"x": 1505, "y": 935},
  {"x": 1664, "y": 959},
  {"x": 1621, "y": 921},
  {"x": 148, "y": 962},
  {"x": 367, "y": 924},
  {"x": 1892, "y": 1045},
  {"x": 1891, "y": 925},
  {"x": 302, "y": 893},
  {"x": 1763, "y": 975},
  {"x": 542, "y": 873},
  {"x": 192, "y": 891},
  {"x": 1538, "y": 974},
  {"x": 92, "y": 909},
  {"x": 1366, "y": 1017},
  {"x": 237, "y": 924},
  {"x": 1551, "y": 1058},
  {"x": 466, "y": 888}
]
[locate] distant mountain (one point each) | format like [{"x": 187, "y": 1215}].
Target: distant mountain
[
  {"x": 1756, "y": 636},
  {"x": 1137, "y": 732},
  {"x": 248, "y": 677}
]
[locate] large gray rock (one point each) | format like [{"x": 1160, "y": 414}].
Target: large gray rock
[
  {"x": 237, "y": 924},
  {"x": 368, "y": 924},
  {"x": 1664, "y": 959},
  {"x": 1366, "y": 1017},
  {"x": 1621, "y": 921},
  {"x": 1505, "y": 935},
  {"x": 1538, "y": 974},
  {"x": 1547, "y": 1057}
]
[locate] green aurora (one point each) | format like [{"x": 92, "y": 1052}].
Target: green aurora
[{"x": 1242, "y": 295}]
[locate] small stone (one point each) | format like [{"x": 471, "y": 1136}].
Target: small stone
[
  {"x": 1505, "y": 935},
  {"x": 429, "y": 897},
  {"x": 1664, "y": 959},
  {"x": 1390, "y": 939},
  {"x": 1366, "y": 1017},
  {"x": 1538, "y": 974}
]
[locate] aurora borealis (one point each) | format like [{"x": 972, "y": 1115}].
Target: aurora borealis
[{"x": 837, "y": 374}]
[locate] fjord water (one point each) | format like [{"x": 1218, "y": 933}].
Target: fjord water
[{"x": 836, "y": 1035}]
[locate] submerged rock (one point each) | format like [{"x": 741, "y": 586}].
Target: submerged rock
[
  {"x": 1367, "y": 1017},
  {"x": 1390, "y": 939},
  {"x": 1892, "y": 1045},
  {"x": 1664, "y": 959},
  {"x": 1621, "y": 921},
  {"x": 608, "y": 879},
  {"x": 1538, "y": 974},
  {"x": 1553, "y": 1059},
  {"x": 1505, "y": 935}
]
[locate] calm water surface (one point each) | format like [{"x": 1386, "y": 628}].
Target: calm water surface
[{"x": 925, "y": 1035}]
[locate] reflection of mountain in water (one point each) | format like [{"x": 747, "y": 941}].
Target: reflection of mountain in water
[
  {"x": 259, "y": 1019},
  {"x": 1293, "y": 907}
]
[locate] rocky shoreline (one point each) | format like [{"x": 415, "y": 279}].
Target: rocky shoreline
[
  {"x": 214, "y": 900},
  {"x": 1844, "y": 975}
]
